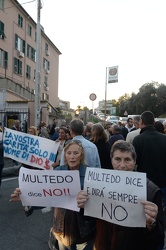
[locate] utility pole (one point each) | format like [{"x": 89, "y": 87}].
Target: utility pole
[{"x": 37, "y": 77}]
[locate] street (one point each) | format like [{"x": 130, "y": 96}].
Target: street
[{"x": 17, "y": 231}]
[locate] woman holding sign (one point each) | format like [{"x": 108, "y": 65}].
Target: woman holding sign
[
  {"x": 110, "y": 236},
  {"x": 72, "y": 229}
]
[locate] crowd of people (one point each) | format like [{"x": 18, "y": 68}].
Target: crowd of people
[{"x": 139, "y": 146}]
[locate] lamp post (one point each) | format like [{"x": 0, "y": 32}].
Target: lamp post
[{"x": 37, "y": 77}]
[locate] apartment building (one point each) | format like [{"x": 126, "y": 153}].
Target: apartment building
[{"x": 18, "y": 67}]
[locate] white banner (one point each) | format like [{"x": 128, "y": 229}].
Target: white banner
[
  {"x": 115, "y": 196},
  {"x": 29, "y": 149},
  {"x": 112, "y": 74},
  {"x": 49, "y": 188}
]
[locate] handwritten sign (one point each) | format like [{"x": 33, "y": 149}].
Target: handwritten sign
[
  {"x": 49, "y": 188},
  {"x": 29, "y": 149},
  {"x": 115, "y": 196}
]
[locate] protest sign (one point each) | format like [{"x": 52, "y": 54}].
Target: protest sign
[
  {"x": 115, "y": 196},
  {"x": 49, "y": 188},
  {"x": 29, "y": 149}
]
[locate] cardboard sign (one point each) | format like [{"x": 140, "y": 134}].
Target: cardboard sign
[
  {"x": 115, "y": 196},
  {"x": 29, "y": 149},
  {"x": 49, "y": 188}
]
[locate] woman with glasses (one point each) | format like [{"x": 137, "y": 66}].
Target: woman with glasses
[{"x": 71, "y": 229}]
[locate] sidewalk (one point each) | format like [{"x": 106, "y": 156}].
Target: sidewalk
[{"x": 9, "y": 168}]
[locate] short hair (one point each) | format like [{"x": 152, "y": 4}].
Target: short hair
[
  {"x": 116, "y": 128},
  {"x": 129, "y": 119},
  {"x": 159, "y": 126},
  {"x": 64, "y": 129},
  {"x": 137, "y": 118},
  {"x": 147, "y": 118},
  {"x": 88, "y": 127},
  {"x": 77, "y": 126},
  {"x": 123, "y": 146},
  {"x": 77, "y": 142}
]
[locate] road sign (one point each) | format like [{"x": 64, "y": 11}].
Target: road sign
[{"x": 92, "y": 97}]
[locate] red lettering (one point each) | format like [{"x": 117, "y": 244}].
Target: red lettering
[{"x": 38, "y": 161}]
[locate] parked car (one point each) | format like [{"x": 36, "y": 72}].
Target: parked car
[
  {"x": 123, "y": 119},
  {"x": 112, "y": 119}
]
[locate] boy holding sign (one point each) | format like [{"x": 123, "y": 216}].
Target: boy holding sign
[{"x": 116, "y": 237}]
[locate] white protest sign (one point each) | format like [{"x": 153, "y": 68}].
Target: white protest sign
[
  {"x": 29, "y": 149},
  {"x": 115, "y": 196},
  {"x": 49, "y": 188}
]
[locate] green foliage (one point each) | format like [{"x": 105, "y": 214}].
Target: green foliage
[{"x": 151, "y": 96}]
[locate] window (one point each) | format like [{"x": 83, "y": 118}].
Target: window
[
  {"x": 3, "y": 59},
  {"x": 2, "y": 4},
  {"x": 19, "y": 43},
  {"x": 31, "y": 53},
  {"x": 29, "y": 32},
  {"x": 20, "y": 21},
  {"x": 2, "y": 34},
  {"x": 45, "y": 81},
  {"x": 34, "y": 78},
  {"x": 17, "y": 66},
  {"x": 45, "y": 96},
  {"x": 28, "y": 72},
  {"x": 46, "y": 64},
  {"x": 46, "y": 46}
]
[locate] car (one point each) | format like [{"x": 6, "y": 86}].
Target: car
[
  {"x": 123, "y": 119},
  {"x": 112, "y": 119}
]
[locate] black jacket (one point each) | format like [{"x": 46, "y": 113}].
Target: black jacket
[
  {"x": 150, "y": 147},
  {"x": 114, "y": 237}
]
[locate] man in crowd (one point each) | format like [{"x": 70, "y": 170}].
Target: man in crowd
[
  {"x": 128, "y": 127},
  {"x": 150, "y": 147},
  {"x": 135, "y": 131},
  {"x": 91, "y": 153}
]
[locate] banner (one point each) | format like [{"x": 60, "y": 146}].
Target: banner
[
  {"x": 112, "y": 74},
  {"x": 29, "y": 149},
  {"x": 115, "y": 196},
  {"x": 49, "y": 188}
]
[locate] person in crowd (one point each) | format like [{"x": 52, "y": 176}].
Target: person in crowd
[
  {"x": 127, "y": 128},
  {"x": 116, "y": 237},
  {"x": 115, "y": 131},
  {"x": 16, "y": 126},
  {"x": 87, "y": 130},
  {"x": 150, "y": 147},
  {"x": 159, "y": 127},
  {"x": 107, "y": 129},
  {"x": 43, "y": 130},
  {"x": 68, "y": 135},
  {"x": 51, "y": 129},
  {"x": 62, "y": 139},
  {"x": 100, "y": 139},
  {"x": 71, "y": 229},
  {"x": 91, "y": 153},
  {"x": 32, "y": 130},
  {"x": 135, "y": 131},
  {"x": 55, "y": 136}
]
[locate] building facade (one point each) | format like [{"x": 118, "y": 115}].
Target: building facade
[{"x": 18, "y": 68}]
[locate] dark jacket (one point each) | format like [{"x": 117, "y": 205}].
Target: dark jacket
[
  {"x": 150, "y": 147},
  {"x": 104, "y": 148},
  {"x": 71, "y": 226},
  {"x": 115, "y": 138},
  {"x": 127, "y": 238}
]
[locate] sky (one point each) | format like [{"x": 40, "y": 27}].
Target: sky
[{"x": 93, "y": 35}]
